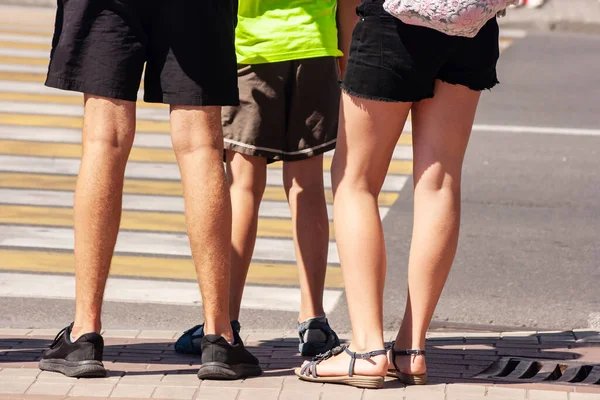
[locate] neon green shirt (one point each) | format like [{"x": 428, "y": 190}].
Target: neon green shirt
[{"x": 282, "y": 30}]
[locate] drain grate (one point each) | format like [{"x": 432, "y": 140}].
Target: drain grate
[{"x": 515, "y": 369}]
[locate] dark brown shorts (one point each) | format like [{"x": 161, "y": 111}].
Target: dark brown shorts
[{"x": 288, "y": 110}]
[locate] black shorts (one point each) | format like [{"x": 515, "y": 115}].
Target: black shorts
[
  {"x": 393, "y": 61},
  {"x": 100, "y": 48}
]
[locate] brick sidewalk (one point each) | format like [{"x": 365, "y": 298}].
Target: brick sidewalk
[{"x": 144, "y": 365}]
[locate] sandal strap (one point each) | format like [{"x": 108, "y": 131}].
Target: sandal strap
[
  {"x": 310, "y": 368},
  {"x": 409, "y": 352},
  {"x": 361, "y": 356}
]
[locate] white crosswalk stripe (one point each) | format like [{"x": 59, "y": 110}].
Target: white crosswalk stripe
[{"x": 23, "y": 64}]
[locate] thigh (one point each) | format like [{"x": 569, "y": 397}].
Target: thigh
[
  {"x": 314, "y": 98},
  {"x": 307, "y": 173},
  {"x": 257, "y": 126},
  {"x": 368, "y": 133},
  {"x": 472, "y": 62},
  {"x": 98, "y": 48},
  {"x": 441, "y": 131},
  {"x": 191, "y": 56}
]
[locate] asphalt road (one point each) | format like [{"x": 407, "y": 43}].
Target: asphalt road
[{"x": 529, "y": 255}]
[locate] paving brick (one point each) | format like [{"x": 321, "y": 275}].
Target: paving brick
[
  {"x": 425, "y": 396},
  {"x": 584, "y": 396},
  {"x": 495, "y": 392},
  {"x": 272, "y": 382},
  {"x": 425, "y": 389},
  {"x": 212, "y": 393},
  {"x": 43, "y": 332},
  {"x": 134, "y": 379},
  {"x": 54, "y": 377},
  {"x": 167, "y": 335},
  {"x": 127, "y": 367},
  {"x": 55, "y": 388},
  {"x": 222, "y": 384},
  {"x": 294, "y": 383},
  {"x": 19, "y": 373},
  {"x": 91, "y": 389},
  {"x": 293, "y": 394},
  {"x": 14, "y": 387},
  {"x": 356, "y": 394},
  {"x": 120, "y": 333},
  {"x": 19, "y": 364},
  {"x": 31, "y": 397},
  {"x": 383, "y": 394},
  {"x": 481, "y": 335},
  {"x": 436, "y": 335},
  {"x": 180, "y": 380},
  {"x": 465, "y": 390},
  {"x": 258, "y": 394},
  {"x": 135, "y": 391},
  {"x": 174, "y": 392},
  {"x": 546, "y": 395},
  {"x": 14, "y": 332}
]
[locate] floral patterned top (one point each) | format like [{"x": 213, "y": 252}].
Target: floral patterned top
[{"x": 452, "y": 17}]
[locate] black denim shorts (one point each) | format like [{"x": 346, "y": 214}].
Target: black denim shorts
[
  {"x": 100, "y": 48},
  {"x": 392, "y": 61}
]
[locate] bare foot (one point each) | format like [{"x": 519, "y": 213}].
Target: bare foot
[{"x": 338, "y": 366}]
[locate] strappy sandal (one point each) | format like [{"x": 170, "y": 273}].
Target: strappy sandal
[
  {"x": 407, "y": 379},
  {"x": 308, "y": 372}
]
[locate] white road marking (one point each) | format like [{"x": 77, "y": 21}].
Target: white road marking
[
  {"x": 42, "y": 54},
  {"x": 146, "y": 243},
  {"x": 148, "y": 291},
  {"x": 512, "y": 33},
  {"x": 38, "y": 88},
  {"x": 152, "y": 140},
  {"x": 136, "y": 202},
  {"x": 541, "y": 130},
  {"x": 24, "y": 68},
  {"x": 10, "y": 37},
  {"x": 70, "y": 110},
  {"x": 144, "y": 170},
  {"x": 60, "y": 135}
]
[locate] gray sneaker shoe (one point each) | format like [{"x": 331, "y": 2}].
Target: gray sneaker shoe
[{"x": 316, "y": 337}]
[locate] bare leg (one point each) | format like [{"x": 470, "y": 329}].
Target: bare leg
[
  {"x": 198, "y": 144},
  {"x": 303, "y": 182},
  {"x": 247, "y": 180},
  {"x": 108, "y": 131},
  {"x": 367, "y": 136},
  {"x": 441, "y": 130}
]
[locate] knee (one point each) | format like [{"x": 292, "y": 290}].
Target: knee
[
  {"x": 196, "y": 130},
  {"x": 248, "y": 184},
  {"x": 311, "y": 188},
  {"x": 113, "y": 144},
  {"x": 436, "y": 178}
]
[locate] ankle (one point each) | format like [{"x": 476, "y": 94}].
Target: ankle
[
  {"x": 305, "y": 317},
  {"x": 310, "y": 313},
  {"x": 82, "y": 329},
  {"x": 219, "y": 328}
]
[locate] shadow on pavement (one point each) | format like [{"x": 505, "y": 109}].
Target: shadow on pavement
[{"x": 450, "y": 359}]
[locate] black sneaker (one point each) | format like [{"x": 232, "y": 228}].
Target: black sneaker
[
  {"x": 82, "y": 358},
  {"x": 223, "y": 361},
  {"x": 191, "y": 340},
  {"x": 316, "y": 337}
]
